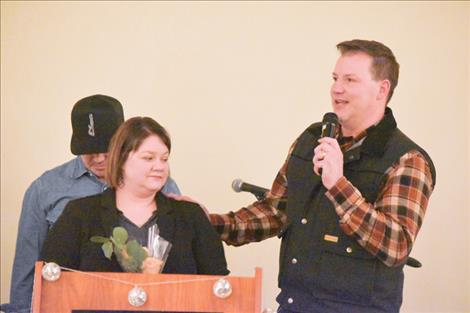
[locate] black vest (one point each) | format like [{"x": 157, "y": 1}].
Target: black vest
[{"x": 321, "y": 268}]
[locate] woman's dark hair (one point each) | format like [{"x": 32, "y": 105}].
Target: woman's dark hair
[{"x": 127, "y": 138}]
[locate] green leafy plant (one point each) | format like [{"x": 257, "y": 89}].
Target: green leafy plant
[{"x": 130, "y": 254}]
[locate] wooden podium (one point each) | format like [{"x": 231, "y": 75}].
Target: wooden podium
[{"x": 165, "y": 292}]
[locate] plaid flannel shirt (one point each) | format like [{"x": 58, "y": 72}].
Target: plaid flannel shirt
[{"x": 386, "y": 229}]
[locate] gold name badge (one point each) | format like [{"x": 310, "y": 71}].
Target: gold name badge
[{"x": 331, "y": 238}]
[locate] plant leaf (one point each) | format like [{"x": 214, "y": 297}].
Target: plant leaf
[
  {"x": 99, "y": 239},
  {"x": 120, "y": 235},
  {"x": 136, "y": 250},
  {"x": 138, "y": 253},
  {"x": 107, "y": 248}
]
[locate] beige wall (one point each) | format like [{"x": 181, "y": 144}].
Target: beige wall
[{"x": 235, "y": 83}]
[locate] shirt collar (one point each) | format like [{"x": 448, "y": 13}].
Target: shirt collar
[
  {"x": 78, "y": 169},
  {"x": 349, "y": 142}
]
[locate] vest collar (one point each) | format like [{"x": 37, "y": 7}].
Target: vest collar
[{"x": 379, "y": 135}]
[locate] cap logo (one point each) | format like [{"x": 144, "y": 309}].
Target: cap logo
[{"x": 91, "y": 126}]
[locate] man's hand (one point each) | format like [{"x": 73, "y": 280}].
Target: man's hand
[
  {"x": 189, "y": 199},
  {"x": 329, "y": 158}
]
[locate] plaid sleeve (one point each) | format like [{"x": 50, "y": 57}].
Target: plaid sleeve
[
  {"x": 388, "y": 227},
  {"x": 258, "y": 221}
]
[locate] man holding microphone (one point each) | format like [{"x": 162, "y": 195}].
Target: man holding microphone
[{"x": 355, "y": 202}]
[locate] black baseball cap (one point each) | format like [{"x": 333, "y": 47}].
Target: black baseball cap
[{"x": 95, "y": 119}]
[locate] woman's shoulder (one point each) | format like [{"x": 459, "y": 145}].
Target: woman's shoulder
[
  {"x": 86, "y": 200},
  {"x": 83, "y": 205},
  {"x": 186, "y": 208}
]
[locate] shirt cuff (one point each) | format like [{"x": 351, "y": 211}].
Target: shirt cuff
[
  {"x": 344, "y": 196},
  {"x": 217, "y": 219}
]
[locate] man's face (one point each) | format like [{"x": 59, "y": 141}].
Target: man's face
[
  {"x": 356, "y": 96},
  {"x": 96, "y": 163}
]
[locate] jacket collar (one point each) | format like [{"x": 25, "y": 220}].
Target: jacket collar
[
  {"x": 108, "y": 200},
  {"x": 110, "y": 216}
]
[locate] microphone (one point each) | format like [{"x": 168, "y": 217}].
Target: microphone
[
  {"x": 412, "y": 262},
  {"x": 329, "y": 128},
  {"x": 330, "y": 125},
  {"x": 239, "y": 185}
]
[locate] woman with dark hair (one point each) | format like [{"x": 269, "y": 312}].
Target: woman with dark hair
[{"x": 136, "y": 171}]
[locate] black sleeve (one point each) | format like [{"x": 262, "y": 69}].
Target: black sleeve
[
  {"x": 62, "y": 245},
  {"x": 207, "y": 246}
]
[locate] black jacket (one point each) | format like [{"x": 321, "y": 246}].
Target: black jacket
[{"x": 196, "y": 248}]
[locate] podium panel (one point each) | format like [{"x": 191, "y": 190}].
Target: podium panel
[{"x": 82, "y": 292}]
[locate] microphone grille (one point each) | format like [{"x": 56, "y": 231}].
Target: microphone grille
[
  {"x": 330, "y": 117},
  {"x": 237, "y": 185}
]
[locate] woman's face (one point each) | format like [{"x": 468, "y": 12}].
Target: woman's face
[{"x": 146, "y": 169}]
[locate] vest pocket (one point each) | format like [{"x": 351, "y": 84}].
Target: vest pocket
[{"x": 345, "y": 278}]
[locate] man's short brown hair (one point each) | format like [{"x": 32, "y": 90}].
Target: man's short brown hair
[
  {"x": 127, "y": 138},
  {"x": 384, "y": 64}
]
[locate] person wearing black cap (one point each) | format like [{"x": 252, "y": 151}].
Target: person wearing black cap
[{"x": 94, "y": 121}]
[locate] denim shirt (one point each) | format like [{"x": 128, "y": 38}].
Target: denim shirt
[{"x": 43, "y": 203}]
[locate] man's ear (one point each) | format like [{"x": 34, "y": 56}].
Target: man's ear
[{"x": 384, "y": 89}]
